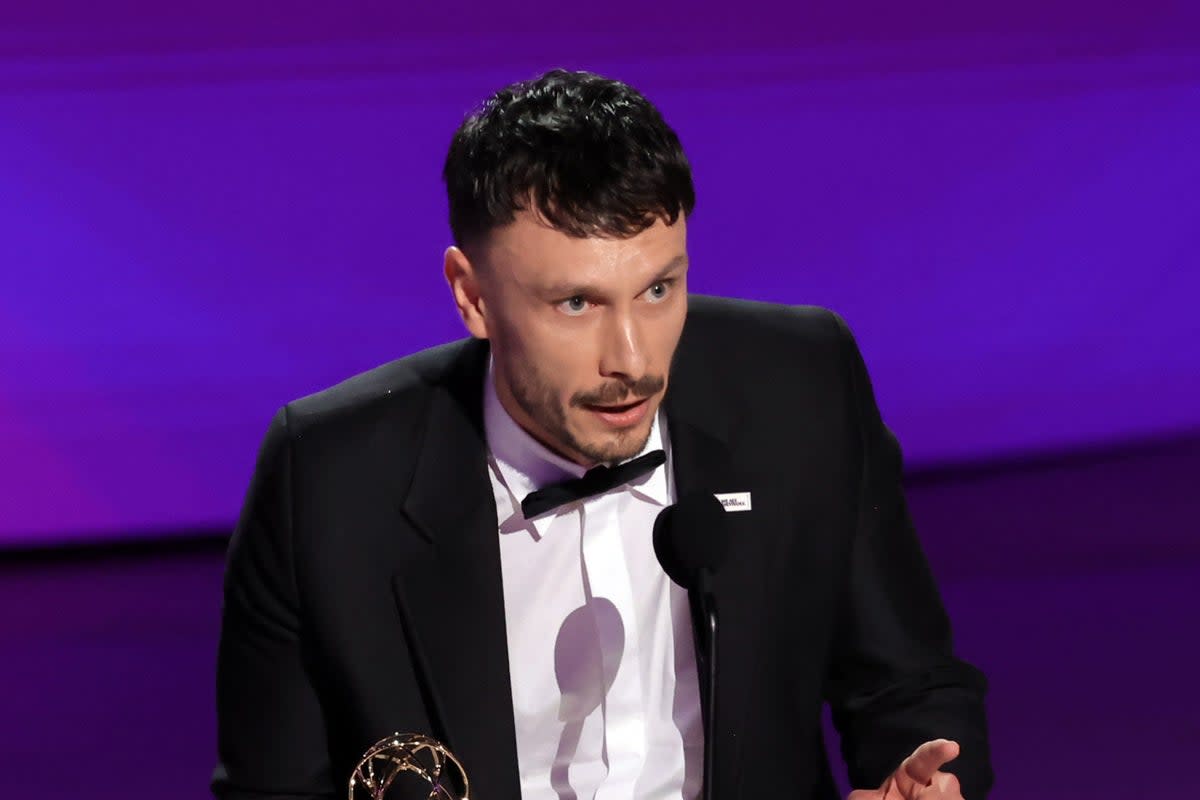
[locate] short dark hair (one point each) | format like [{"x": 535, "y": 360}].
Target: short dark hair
[{"x": 591, "y": 155}]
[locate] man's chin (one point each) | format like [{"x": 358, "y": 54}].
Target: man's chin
[{"x": 609, "y": 446}]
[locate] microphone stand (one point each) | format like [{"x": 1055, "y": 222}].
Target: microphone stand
[{"x": 708, "y": 631}]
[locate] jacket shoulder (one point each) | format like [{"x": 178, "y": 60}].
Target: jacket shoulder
[
  {"x": 750, "y": 326},
  {"x": 406, "y": 383}
]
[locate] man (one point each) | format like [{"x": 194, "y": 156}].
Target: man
[{"x": 396, "y": 567}]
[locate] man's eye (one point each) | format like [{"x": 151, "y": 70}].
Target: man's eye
[
  {"x": 658, "y": 291},
  {"x": 574, "y": 305}
]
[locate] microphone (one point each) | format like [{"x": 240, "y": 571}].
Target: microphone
[{"x": 691, "y": 541}]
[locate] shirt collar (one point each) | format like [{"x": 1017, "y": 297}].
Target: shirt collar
[{"x": 522, "y": 464}]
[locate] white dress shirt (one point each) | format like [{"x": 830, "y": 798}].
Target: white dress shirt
[{"x": 604, "y": 685}]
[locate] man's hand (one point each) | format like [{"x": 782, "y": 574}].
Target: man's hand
[{"x": 918, "y": 777}]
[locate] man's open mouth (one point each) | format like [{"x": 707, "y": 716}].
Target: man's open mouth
[{"x": 617, "y": 409}]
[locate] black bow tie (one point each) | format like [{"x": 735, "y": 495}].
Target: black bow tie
[{"x": 596, "y": 480}]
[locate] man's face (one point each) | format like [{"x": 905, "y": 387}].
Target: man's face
[{"x": 582, "y": 330}]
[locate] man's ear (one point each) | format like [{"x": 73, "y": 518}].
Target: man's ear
[{"x": 464, "y": 285}]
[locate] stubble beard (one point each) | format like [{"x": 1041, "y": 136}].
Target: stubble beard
[{"x": 537, "y": 399}]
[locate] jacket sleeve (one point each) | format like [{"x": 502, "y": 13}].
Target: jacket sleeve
[
  {"x": 270, "y": 728},
  {"x": 894, "y": 681}
]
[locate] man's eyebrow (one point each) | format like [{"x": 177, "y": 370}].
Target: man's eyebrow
[
  {"x": 675, "y": 263},
  {"x": 583, "y": 290}
]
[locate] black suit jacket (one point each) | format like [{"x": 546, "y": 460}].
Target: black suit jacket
[{"x": 363, "y": 589}]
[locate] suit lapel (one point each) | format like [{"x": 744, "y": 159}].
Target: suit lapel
[
  {"x": 452, "y": 601},
  {"x": 702, "y": 424}
]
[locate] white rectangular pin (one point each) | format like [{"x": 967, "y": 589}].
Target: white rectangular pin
[{"x": 735, "y": 501}]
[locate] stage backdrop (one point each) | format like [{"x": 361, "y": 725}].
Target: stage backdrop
[{"x": 207, "y": 210}]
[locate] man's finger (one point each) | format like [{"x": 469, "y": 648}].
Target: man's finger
[
  {"x": 947, "y": 784},
  {"x": 928, "y": 759}
]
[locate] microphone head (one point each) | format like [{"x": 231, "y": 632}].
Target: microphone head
[{"x": 690, "y": 536}]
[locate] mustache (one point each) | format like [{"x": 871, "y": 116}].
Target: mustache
[{"x": 614, "y": 393}]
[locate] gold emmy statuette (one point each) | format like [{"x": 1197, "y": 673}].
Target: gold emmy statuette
[{"x": 426, "y": 760}]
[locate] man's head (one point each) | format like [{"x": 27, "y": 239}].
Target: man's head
[{"x": 569, "y": 198}]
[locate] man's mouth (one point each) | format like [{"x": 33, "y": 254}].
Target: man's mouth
[
  {"x": 618, "y": 408},
  {"x": 621, "y": 415}
]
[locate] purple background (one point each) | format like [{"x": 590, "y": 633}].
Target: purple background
[{"x": 208, "y": 210}]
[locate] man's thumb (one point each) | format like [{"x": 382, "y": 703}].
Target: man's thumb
[{"x": 928, "y": 759}]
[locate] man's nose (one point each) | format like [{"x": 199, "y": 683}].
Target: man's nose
[{"x": 623, "y": 355}]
